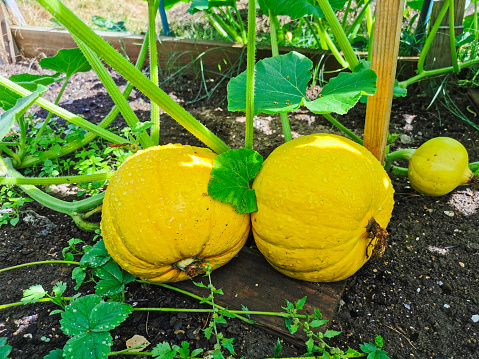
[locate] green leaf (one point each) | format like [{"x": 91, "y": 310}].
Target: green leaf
[
  {"x": 231, "y": 178},
  {"x": 227, "y": 343},
  {"x": 317, "y": 323},
  {"x": 379, "y": 341},
  {"x": 205, "y": 5},
  {"x": 59, "y": 288},
  {"x": 344, "y": 91},
  {"x": 67, "y": 61},
  {"x": 113, "y": 279},
  {"x": 33, "y": 294},
  {"x": 278, "y": 348},
  {"x": 299, "y": 304},
  {"x": 368, "y": 348},
  {"x": 163, "y": 351},
  {"x": 92, "y": 345},
  {"x": 79, "y": 275},
  {"x": 208, "y": 331},
  {"x": 108, "y": 25},
  {"x": 296, "y": 9},
  {"x": 309, "y": 345},
  {"x": 91, "y": 314},
  {"x": 331, "y": 333},
  {"x": 8, "y": 98},
  {"x": 96, "y": 256},
  {"x": 31, "y": 82},
  {"x": 55, "y": 354},
  {"x": 4, "y": 348},
  {"x": 398, "y": 90},
  {"x": 280, "y": 84},
  {"x": 14, "y": 113}
]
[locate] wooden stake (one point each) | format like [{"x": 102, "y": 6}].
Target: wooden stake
[{"x": 387, "y": 31}]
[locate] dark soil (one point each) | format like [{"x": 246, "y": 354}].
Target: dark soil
[{"x": 422, "y": 296}]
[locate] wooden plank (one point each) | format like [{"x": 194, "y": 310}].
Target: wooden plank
[
  {"x": 249, "y": 280},
  {"x": 387, "y": 31},
  {"x": 8, "y": 48},
  {"x": 473, "y": 95},
  {"x": 173, "y": 52}
]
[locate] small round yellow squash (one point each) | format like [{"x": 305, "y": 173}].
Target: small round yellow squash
[
  {"x": 438, "y": 166},
  {"x": 158, "y": 221},
  {"x": 323, "y": 201}
]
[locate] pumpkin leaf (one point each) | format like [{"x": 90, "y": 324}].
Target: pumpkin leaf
[
  {"x": 18, "y": 110},
  {"x": 67, "y": 61},
  {"x": 113, "y": 279},
  {"x": 296, "y": 9},
  {"x": 344, "y": 91},
  {"x": 280, "y": 84},
  {"x": 232, "y": 176},
  {"x": 31, "y": 81}
]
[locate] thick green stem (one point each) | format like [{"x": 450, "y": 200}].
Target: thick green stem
[
  {"x": 427, "y": 73},
  {"x": 343, "y": 128},
  {"x": 339, "y": 34},
  {"x": 330, "y": 44},
  {"x": 30, "y": 161},
  {"x": 452, "y": 38},
  {"x": 76, "y": 120},
  {"x": 113, "y": 90},
  {"x": 154, "y": 72},
  {"x": 129, "y": 72},
  {"x": 70, "y": 208},
  {"x": 404, "y": 154},
  {"x": 398, "y": 171},
  {"x": 250, "y": 73},
  {"x": 275, "y": 52},
  {"x": 57, "y": 100},
  {"x": 222, "y": 27},
  {"x": 46, "y": 181}
]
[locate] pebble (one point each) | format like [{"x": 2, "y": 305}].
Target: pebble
[
  {"x": 449, "y": 213},
  {"x": 475, "y": 318}
]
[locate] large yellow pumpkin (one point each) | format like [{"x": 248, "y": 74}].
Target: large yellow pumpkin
[
  {"x": 158, "y": 221},
  {"x": 323, "y": 203}
]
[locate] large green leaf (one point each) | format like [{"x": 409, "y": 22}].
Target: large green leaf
[
  {"x": 344, "y": 91},
  {"x": 91, "y": 345},
  {"x": 67, "y": 61},
  {"x": 232, "y": 176},
  {"x": 13, "y": 114},
  {"x": 204, "y": 5},
  {"x": 31, "y": 82},
  {"x": 113, "y": 279},
  {"x": 296, "y": 9},
  {"x": 280, "y": 84}
]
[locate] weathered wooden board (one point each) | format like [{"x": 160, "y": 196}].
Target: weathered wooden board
[
  {"x": 249, "y": 280},
  {"x": 473, "y": 95},
  {"x": 8, "y": 47}
]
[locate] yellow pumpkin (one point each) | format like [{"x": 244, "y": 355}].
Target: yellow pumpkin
[
  {"x": 323, "y": 203},
  {"x": 158, "y": 221}
]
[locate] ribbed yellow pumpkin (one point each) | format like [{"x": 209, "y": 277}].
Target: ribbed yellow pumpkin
[
  {"x": 158, "y": 221},
  {"x": 322, "y": 200}
]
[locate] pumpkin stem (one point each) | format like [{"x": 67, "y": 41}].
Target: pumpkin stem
[
  {"x": 191, "y": 266},
  {"x": 376, "y": 231}
]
